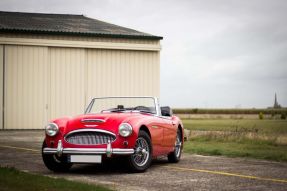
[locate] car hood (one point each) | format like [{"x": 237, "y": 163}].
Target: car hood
[{"x": 104, "y": 121}]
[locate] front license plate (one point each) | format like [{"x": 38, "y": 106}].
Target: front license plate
[{"x": 86, "y": 158}]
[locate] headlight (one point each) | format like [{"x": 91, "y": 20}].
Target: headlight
[
  {"x": 51, "y": 129},
  {"x": 125, "y": 129}
]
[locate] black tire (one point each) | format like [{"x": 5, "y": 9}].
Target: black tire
[
  {"x": 174, "y": 156},
  {"x": 54, "y": 162},
  {"x": 142, "y": 158}
]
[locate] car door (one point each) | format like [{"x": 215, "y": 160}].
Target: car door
[
  {"x": 156, "y": 130},
  {"x": 169, "y": 133}
]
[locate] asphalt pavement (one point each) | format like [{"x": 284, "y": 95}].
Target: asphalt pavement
[{"x": 22, "y": 149}]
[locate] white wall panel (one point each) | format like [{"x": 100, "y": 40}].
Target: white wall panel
[
  {"x": 67, "y": 81},
  {"x": 1, "y": 86},
  {"x": 26, "y": 87},
  {"x": 122, "y": 73}
]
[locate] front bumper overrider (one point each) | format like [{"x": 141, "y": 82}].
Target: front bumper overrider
[{"x": 90, "y": 151}]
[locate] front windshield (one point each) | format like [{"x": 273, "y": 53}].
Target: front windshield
[{"x": 122, "y": 104}]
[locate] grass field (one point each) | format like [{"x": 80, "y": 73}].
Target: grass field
[
  {"x": 276, "y": 127},
  {"x": 14, "y": 180},
  {"x": 264, "y": 139}
]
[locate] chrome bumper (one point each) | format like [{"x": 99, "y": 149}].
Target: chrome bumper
[
  {"x": 88, "y": 151},
  {"x": 108, "y": 151}
]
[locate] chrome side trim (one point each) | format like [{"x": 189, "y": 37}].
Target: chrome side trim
[
  {"x": 116, "y": 151},
  {"x": 154, "y": 126}
]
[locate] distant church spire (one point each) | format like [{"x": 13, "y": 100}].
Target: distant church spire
[{"x": 276, "y": 104}]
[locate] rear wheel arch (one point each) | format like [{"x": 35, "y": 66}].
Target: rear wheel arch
[{"x": 181, "y": 131}]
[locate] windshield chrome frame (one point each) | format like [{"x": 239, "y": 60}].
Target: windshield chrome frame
[{"x": 156, "y": 103}]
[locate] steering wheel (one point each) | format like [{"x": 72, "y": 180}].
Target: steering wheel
[{"x": 141, "y": 108}]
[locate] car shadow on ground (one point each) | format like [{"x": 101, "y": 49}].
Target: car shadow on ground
[{"x": 111, "y": 167}]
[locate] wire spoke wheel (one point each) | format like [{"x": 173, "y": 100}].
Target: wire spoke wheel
[
  {"x": 178, "y": 144},
  {"x": 141, "y": 159},
  {"x": 142, "y": 152},
  {"x": 174, "y": 156}
]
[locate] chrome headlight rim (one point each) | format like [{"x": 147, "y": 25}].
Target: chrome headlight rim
[
  {"x": 51, "y": 129},
  {"x": 125, "y": 129}
]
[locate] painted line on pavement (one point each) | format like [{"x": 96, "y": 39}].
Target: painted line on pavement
[
  {"x": 226, "y": 174},
  {"x": 19, "y": 148}
]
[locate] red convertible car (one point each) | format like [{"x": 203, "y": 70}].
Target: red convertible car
[{"x": 136, "y": 128}]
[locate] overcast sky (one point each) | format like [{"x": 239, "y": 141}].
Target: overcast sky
[{"x": 215, "y": 53}]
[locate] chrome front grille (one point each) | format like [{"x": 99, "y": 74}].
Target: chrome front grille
[{"x": 95, "y": 137}]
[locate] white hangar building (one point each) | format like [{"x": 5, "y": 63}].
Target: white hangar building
[{"x": 51, "y": 65}]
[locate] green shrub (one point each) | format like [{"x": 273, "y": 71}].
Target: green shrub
[
  {"x": 283, "y": 116},
  {"x": 272, "y": 114},
  {"x": 195, "y": 110},
  {"x": 270, "y": 111},
  {"x": 261, "y": 116}
]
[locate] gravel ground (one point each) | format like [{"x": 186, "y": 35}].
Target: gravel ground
[{"x": 21, "y": 149}]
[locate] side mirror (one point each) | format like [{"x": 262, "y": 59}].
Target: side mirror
[{"x": 166, "y": 111}]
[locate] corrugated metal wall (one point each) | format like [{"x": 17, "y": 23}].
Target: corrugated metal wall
[
  {"x": 122, "y": 73},
  {"x": 1, "y": 85},
  {"x": 67, "y": 81},
  {"x": 26, "y": 79},
  {"x": 42, "y": 83}
]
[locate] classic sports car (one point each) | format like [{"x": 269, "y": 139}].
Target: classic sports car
[{"x": 134, "y": 127}]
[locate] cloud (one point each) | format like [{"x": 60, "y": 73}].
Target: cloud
[{"x": 220, "y": 53}]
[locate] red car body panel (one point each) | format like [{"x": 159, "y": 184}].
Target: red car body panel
[{"x": 163, "y": 130}]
